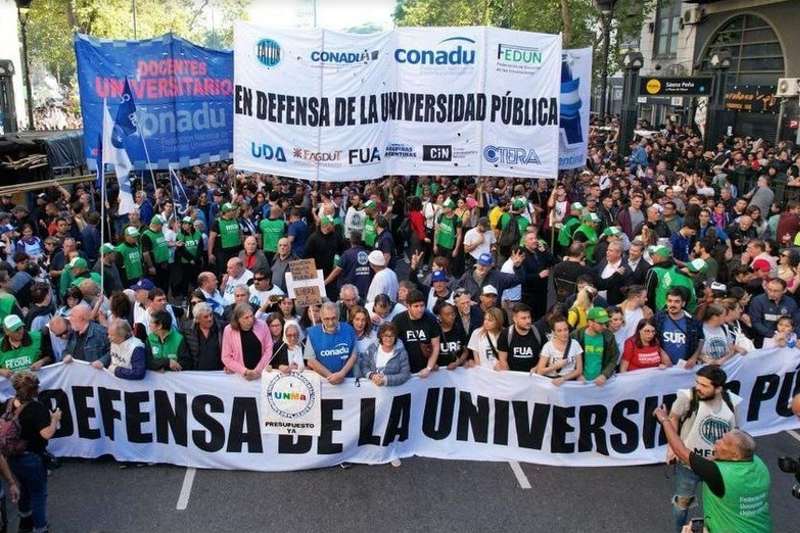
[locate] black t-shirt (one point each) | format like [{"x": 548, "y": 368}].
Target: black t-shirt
[
  {"x": 34, "y": 418},
  {"x": 451, "y": 344},
  {"x": 708, "y": 472},
  {"x": 415, "y": 334},
  {"x": 251, "y": 349},
  {"x": 523, "y": 350}
]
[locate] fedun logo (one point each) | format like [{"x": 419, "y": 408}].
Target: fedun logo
[
  {"x": 291, "y": 395},
  {"x": 511, "y": 155},
  {"x": 653, "y": 86},
  {"x": 445, "y": 55},
  {"x": 268, "y": 52},
  {"x": 519, "y": 54}
]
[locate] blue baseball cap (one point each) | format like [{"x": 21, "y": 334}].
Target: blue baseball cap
[
  {"x": 439, "y": 275},
  {"x": 143, "y": 284},
  {"x": 485, "y": 260}
]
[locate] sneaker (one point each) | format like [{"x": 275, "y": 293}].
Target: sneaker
[
  {"x": 396, "y": 463},
  {"x": 345, "y": 466}
]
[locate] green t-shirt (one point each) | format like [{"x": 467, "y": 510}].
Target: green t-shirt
[
  {"x": 7, "y": 302},
  {"x": 229, "y": 233},
  {"x": 20, "y": 359},
  {"x": 168, "y": 349},
  {"x": 158, "y": 246},
  {"x": 592, "y": 356},
  {"x": 272, "y": 230},
  {"x": 131, "y": 260},
  {"x": 370, "y": 233},
  {"x": 191, "y": 244},
  {"x": 745, "y": 504},
  {"x": 446, "y": 234}
]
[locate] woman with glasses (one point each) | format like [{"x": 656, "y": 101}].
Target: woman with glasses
[
  {"x": 787, "y": 268},
  {"x": 275, "y": 323},
  {"x": 642, "y": 349},
  {"x": 288, "y": 356},
  {"x": 246, "y": 344},
  {"x": 385, "y": 363}
]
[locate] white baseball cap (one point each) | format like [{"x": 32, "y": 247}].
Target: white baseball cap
[{"x": 376, "y": 258}]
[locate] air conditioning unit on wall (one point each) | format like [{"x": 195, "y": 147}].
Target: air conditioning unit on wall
[
  {"x": 788, "y": 87},
  {"x": 693, "y": 16}
]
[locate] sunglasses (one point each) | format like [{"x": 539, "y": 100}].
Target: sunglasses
[{"x": 64, "y": 334}]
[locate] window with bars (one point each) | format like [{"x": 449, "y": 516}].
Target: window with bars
[
  {"x": 756, "y": 53},
  {"x": 667, "y": 27}
]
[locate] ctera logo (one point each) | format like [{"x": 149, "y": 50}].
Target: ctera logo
[
  {"x": 364, "y": 156},
  {"x": 268, "y": 52},
  {"x": 345, "y": 58},
  {"x": 445, "y": 55},
  {"x": 511, "y": 155},
  {"x": 267, "y": 152}
]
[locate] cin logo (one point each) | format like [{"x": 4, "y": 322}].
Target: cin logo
[{"x": 268, "y": 52}]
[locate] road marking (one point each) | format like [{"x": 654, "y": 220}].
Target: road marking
[
  {"x": 522, "y": 479},
  {"x": 186, "y": 489},
  {"x": 794, "y": 434}
]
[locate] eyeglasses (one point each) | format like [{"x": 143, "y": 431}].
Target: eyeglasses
[
  {"x": 64, "y": 334},
  {"x": 259, "y": 279}
]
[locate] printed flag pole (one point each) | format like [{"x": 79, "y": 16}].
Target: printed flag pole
[{"x": 179, "y": 196}]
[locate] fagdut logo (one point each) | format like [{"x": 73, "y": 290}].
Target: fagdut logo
[
  {"x": 518, "y": 59},
  {"x": 268, "y": 53},
  {"x": 291, "y": 395},
  {"x": 510, "y": 155},
  {"x": 450, "y": 51},
  {"x": 331, "y": 158}
]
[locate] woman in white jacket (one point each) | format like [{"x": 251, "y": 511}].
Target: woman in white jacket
[{"x": 128, "y": 356}]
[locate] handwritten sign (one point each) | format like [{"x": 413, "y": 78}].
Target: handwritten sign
[{"x": 303, "y": 269}]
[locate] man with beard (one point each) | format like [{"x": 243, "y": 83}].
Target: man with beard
[
  {"x": 702, "y": 415},
  {"x": 677, "y": 332},
  {"x": 420, "y": 333}
]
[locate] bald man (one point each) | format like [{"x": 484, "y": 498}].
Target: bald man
[
  {"x": 58, "y": 329},
  {"x": 88, "y": 340},
  {"x": 236, "y": 276}
]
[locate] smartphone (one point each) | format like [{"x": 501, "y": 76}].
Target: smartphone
[{"x": 697, "y": 525}]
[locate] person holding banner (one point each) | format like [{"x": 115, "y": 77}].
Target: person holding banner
[
  {"x": 331, "y": 346},
  {"x": 246, "y": 344},
  {"x": 288, "y": 357},
  {"x": 561, "y": 357},
  {"x": 385, "y": 363},
  {"x": 167, "y": 348}
]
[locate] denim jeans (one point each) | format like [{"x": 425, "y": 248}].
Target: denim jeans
[
  {"x": 686, "y": 482},
  {"x": 29, "y": 470}
]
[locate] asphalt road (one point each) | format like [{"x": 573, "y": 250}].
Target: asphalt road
[{"x": 421, "y": 495}]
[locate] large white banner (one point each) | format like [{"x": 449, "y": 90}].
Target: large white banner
[
  {"x": 322, "y": 105},
  {"x": 576, "y": 94},
  {"x": 211, "y": 419},
  {"x": 290, "y": 403}
]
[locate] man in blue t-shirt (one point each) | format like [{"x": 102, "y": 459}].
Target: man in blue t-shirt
[
  {"x": 297, "y": 231},
  {"x": 353, "y": 266},
  {"x": 330, "y": 347},
  {"x": 680, "y": 335}
]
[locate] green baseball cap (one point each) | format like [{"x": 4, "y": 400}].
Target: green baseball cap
[
  {"x": 612, "y": 232},
  {"x": 449, "y": 203},
  {"x": 326, "y": 221},
  {"x": 227, "y": 206},
  {"x": 107, "y": 248},
  {"x": 78, "y": 262},
  {"x": 131, "y": 231},
  {"x": 12, "y": 323},
  {"x": 370, "y": 204},
  {"x": 598, "y": 314},
  {"x": 519, "y": 203},
  {"x": 186, "y": 220},
  {"x": 577, "y": 206},
  {"x": 590, "y": 217},
  {"x": 157, "y": 220},
  {"x": 697, "y": 266},
  {"x": 660, "y": 250}
]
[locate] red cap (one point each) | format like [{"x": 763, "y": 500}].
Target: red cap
[{"x": 760, "y": 264}]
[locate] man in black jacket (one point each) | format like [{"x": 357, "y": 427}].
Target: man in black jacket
[{"x": 323, "y": 246}]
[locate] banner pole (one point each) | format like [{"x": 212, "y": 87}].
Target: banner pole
[
  {"x": 147, "y": 158},
  {"x": 102, "y": 226}
]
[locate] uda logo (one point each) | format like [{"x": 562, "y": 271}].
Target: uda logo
[
  {"x": 291, "y": 395},
  {"x": 362, "y": 258},
  {"x": 268, "y": 52}
]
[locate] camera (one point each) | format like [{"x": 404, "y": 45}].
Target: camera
[{"x": 791, "y": 466}]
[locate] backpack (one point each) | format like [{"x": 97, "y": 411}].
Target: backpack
[
  {"x": 404, "y": 230},
  {"x": 11, "y": 441},
  {"x": 509, "y": 236}
]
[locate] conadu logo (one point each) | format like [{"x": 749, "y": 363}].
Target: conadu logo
[{"x": 450, "y": 51}]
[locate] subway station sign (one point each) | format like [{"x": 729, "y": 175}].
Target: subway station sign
[{"x": 697, "y": 86}]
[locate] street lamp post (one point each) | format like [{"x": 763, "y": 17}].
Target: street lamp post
[
  {"x": 720, "y": 62},
  {"x": 606, "y": 8},
  {"x": 631, "y": 63},
  {"x": 23, "y": 7}
]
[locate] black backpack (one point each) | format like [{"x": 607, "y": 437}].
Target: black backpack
[{"x": 509, "y": 237}]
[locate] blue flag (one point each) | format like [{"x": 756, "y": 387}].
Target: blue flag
[
  {"x": 179, "y": 196},
  {"x": 125, "y": 123}
]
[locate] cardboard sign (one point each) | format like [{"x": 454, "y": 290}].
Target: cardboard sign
[{"x": 303, "y": 269}]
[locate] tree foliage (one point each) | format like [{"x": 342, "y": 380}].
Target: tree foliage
[
  {"x": 51, "y": 24},
  {"x": 578, "y": 20}
]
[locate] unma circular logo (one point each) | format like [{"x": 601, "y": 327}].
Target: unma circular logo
[
  {"x": 268, "y": 52},
  {"x": 291, "y": 395}
]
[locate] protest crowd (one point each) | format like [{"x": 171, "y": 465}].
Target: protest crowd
[{"x": 672, "y": 256}]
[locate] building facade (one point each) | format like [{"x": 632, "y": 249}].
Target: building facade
[
  {"x": 12, "y": 87},
  {"x": 679, "y": 37}
]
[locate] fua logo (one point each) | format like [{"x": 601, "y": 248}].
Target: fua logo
[
  {"x": 364, "y": 155},
  {"x": 268, "y": 52},
  {"x": 268, "y": 152},
  {"x": 444, "y": 55}
]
